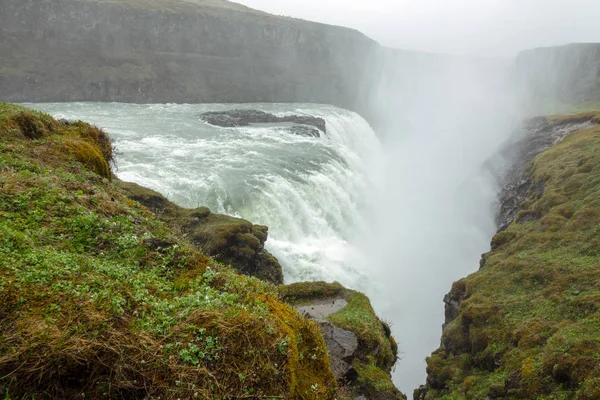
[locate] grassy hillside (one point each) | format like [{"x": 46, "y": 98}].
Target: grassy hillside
[
  {"x": 99, "y": 299},
  {"x": 529, "y": 320}
]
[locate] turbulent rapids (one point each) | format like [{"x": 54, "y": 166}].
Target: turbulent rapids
[{"x": 311, "y": 192}]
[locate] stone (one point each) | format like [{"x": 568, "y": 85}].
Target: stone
[
  {"x": 341, "y": 343},
  {"x": 420, "y": 393},
  {"x": 319, "y": 310},
  {"x": 304, "y": 125}
]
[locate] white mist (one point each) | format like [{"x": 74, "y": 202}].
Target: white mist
[{"x": 434, "y": 214}]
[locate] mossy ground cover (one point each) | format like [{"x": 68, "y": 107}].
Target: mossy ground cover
[
  {"x": 99, "y": 299},
  {"x": 529, "y": 324}
]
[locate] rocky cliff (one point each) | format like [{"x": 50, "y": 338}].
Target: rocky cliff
[
  {"x": 525, "y": 325},
  {"x": 177, "y": 51},
  {"x": 559, "y": 79}
]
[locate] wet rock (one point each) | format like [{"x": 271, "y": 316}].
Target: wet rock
[
  {"x": 452, "y": 302},
  {"x": 536, "y": 136},
  {"x": 353, "y": 348},
  {"x": 341, "y": 343},
  {"x": 321, "y": 309},
  {"x": 305, "y": 130},
  {"x": 342, "y": 371},
  {"x": 304, "y": 125}
]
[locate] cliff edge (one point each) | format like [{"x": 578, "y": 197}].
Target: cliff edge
[{"x": 165, "y": 51}]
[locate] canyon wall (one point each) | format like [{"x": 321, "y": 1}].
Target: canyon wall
[
  {"x": 559, "y": 79},
  {"x": 177, "y": 51}
]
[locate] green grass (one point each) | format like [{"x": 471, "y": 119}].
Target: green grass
[
  {"x": 99, "y": 298},
  {"x": 528, "y": 327}
]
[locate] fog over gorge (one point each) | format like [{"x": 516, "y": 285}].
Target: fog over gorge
[
  {"x": 435, "y": 213},
  {"x": 408, "y": 150}
]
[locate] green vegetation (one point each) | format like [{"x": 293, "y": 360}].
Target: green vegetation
[
  {"x": 529, "y": 320},
  {"x": 377, "y": 351},
  {"x": 100, "y": 299}
]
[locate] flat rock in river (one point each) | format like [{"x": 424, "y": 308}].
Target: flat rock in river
[{"x": 303, "y": 124}]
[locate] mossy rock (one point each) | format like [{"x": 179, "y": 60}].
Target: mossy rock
[
  {"x": 377, "y": 350},
  {"x": 230, "y": 240}
]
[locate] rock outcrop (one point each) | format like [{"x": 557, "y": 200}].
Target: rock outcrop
[
  {"x": 305, "y": 125},
  {"x": 227, "y": 239},
  {"x": 361, "y": 349},
  {"x": 536, "y": 136}
]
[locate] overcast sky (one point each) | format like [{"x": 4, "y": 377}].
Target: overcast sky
[{"x": 476, "y": 27}]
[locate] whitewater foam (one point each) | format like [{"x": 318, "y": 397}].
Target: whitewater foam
[{"x": 311, "y": 192}]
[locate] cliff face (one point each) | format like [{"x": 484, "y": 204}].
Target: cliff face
[
  {"x": 558, "y": 79},
  {"x": 525, "y": 325},
  {"x": 169, "y": 51}
]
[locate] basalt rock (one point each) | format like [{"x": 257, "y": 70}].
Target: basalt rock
[
  {"x": 536, "y": 136},
  {"x": 303, "y": 124},
  {"x": 230, "y": 240}
]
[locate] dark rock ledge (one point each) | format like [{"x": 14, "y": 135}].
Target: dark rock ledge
[{"x": 304, "y": 125}]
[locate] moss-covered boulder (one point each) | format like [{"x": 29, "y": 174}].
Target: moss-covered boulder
[
  {"x": 343, "y": 314},
  {"x": 525, "y": 326},
  {"x": 101, "y": 299},
  {"x": 230, "y": 240}
]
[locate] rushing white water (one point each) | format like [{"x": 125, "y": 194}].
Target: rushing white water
[{"x": 311, "y": 192}]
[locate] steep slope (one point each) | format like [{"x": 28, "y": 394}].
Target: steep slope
[
  {"x": 525, "y": 326},
  {"x": 177, "y": 51},
  {"x": 559, "y": 79}
]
